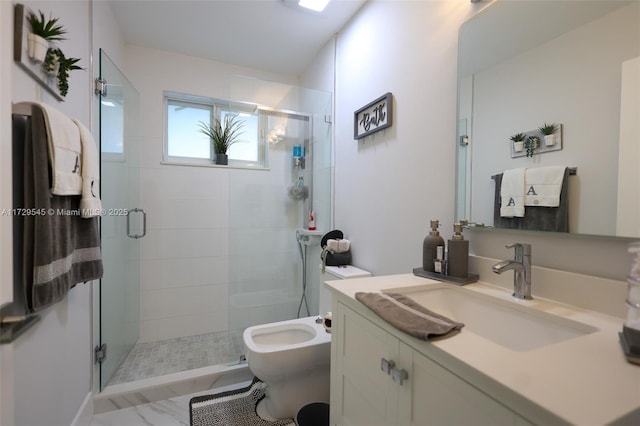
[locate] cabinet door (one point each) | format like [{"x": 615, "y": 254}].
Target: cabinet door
[
  {"x": 433, "y": 395},
  {"x": 361, "y": 393}
]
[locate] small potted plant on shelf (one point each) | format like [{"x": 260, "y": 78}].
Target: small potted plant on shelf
[
  {"x": 548, "y": 131},
  {"x": 43, "y": 31},
  {"x": 222, "y": 135},
  {"x": 530, "y": 144},
  {"x": 518, "y": 142},
  {"x": 58, "y": 66}
]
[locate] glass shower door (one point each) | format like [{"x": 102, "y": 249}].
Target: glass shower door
[{"x": 122, "y": 222}]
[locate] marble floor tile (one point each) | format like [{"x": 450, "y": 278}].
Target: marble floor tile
[{"x": 169, "y": 412}]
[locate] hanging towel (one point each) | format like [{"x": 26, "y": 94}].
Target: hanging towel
[
  {"x": 553, "y": 219},
  {"x": 90, "y": 204},
  {"x": 512, "y": 193},
  {"x": 60, "y": 249},
  {"x": 406, "y": 315},
  {"x": 65, "y": 150},
  {"x": 543, "y": 186}
]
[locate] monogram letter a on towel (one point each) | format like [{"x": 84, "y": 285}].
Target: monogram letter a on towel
[
  {"x": 543, "y": 186},
  {"x": 512, "y": 193},
  {"x": 535, "y": 187}
]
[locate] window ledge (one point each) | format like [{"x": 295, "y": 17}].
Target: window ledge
[{"x": 180, "y": 163}]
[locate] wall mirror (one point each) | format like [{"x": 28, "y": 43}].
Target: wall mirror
[{"x": 575, "y": 63}]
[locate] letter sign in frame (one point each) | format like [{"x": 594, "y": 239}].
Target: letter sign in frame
[{"x": 373, "y": 117}]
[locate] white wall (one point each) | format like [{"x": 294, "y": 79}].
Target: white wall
[
  {"x": 52, "y": 361},
  {"x": 629, "y": 152},
  {"x": 6, "y": 275},
  {"x": 389, "y": 186}
]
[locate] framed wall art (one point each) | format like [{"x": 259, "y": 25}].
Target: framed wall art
[{"x": 373, "y": 117}]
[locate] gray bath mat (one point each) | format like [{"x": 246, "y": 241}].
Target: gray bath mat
[{"x": 233, "y": 408}]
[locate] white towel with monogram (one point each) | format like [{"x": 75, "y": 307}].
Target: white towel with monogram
[
  {"x": 512, "y": 193},
  {"x": 90, "y": 204},
  {"x": 65, "y": 151},
  {"x": 543, "y": 186}
]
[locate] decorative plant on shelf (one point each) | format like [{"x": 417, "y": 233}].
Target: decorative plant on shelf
[
  {"x": 43, "y": 31},
  {"x": 518, "y": 141},
  {"x": 548, "y": 131},
  {"x": 57, "y": 64},
  {"x": 530, "y": 144},
  {"x": 51, "y": 62},
  {"x": 223, "y": 134}
]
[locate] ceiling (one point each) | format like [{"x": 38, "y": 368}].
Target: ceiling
[{"x": 270, "y": 35}]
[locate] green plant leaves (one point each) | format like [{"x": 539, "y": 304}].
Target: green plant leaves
[
  {"x": 45, "y": 28},
  {"x": 223, "y": 135}
]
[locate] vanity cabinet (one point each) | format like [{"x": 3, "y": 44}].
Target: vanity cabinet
[{"x": 377, "y": 379}]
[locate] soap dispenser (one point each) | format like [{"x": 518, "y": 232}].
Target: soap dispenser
[
  {"x": 429, "y": 247},
  {"x": 458, "y": 254}
]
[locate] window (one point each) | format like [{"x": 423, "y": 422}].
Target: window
[{"x": 184, "y": 143}]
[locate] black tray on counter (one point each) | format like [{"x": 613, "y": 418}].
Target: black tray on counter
[{"x": 471, "y": 278}]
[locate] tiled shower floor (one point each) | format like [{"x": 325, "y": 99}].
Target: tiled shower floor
[{"x": 153, "y": 359}]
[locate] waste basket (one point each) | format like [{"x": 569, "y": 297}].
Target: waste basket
[{"x": 314, "y": 414}]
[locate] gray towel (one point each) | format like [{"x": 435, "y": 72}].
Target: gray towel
[
  {"x": 406, "y": 315},
  {"x": 60, "y": 249}
]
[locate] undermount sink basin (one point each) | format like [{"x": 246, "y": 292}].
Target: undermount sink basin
[{"x": 509, "y": 324}]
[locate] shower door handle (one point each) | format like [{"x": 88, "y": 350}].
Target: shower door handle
[{"x": 144, "y": 223}]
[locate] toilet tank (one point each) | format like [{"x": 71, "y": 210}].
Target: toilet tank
[{"x": 336, "y": 273}]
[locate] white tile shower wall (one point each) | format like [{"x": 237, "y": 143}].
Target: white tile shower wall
[
  {"x": 264, "y": 259},
  {"x": 187, "y": 254}
]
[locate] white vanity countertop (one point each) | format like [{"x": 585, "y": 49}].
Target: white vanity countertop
[{"x": 585, "y": 380}]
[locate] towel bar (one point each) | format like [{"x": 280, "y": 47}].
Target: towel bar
[
  {"x": 21, "y": 108},
  {"x": 573, "y": 171}
]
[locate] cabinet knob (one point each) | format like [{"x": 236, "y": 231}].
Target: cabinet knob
[
  {"x": 387, "y": 365},
  {"x": 399, "y": 376}
]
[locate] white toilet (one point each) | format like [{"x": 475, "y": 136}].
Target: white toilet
[{"x": 292, "y": 357}]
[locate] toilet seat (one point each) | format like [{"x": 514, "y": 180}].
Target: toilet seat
[{"x": 284, "y": 335}]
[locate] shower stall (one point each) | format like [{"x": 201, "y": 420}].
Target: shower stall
[{"x": 194, "y": 255}]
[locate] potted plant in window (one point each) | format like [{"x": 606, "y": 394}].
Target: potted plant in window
[
  {"x": 548, "y": 131},
  {"x": 530, "y": 144},
  {"x": 43, "y": 31},
  {"x": 222, "y": 134},
  {"x": 518, "y": 142}
]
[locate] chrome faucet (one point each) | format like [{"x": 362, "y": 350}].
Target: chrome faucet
[{"x": 521, "y": 266}]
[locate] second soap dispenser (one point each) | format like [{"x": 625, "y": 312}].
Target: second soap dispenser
[
  {"x": 430, "y": 247},
  {"x": 458, "y": 254}
]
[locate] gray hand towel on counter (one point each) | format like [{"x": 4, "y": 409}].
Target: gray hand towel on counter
[
  {"x": 406, "y": 315},
  {"x": 60, "y": 249}
]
